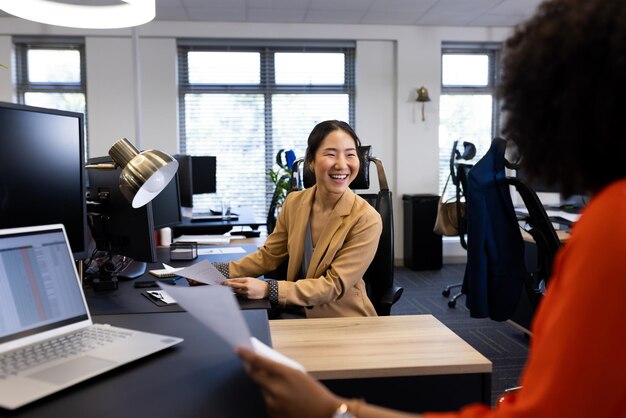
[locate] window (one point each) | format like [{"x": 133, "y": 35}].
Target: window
[
  {"x": 468, "y": 108},
  {"x": 244, "y": 103},
  {"x": 51, "y": 73}
]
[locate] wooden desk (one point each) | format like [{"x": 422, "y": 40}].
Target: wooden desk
[
  {"x": 412, "y": 362},
  {"x": 562, "y": 234}
]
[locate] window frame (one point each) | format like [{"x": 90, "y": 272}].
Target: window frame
[
  {"x": 493, "y": 51},
  {"x": 24, "y": 85},
  {"x": 267, "y": 85}
]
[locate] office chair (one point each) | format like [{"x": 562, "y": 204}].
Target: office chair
[
  {"x": 539, "y": 226},
  {"x": 379, "y": 275},
  {"x": 458, "y": 175},
  {"x": 497, "y": 274},
  {"x": 281, "y": 177}
]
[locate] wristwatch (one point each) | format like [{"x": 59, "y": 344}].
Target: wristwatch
[{"x": 342, "y": 412}]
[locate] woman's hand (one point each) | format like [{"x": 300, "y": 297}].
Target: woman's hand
[
  {"x": 288, "y": 392},
  {"x": 249, "y": 287}
]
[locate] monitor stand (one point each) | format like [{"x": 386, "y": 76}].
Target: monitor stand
[{"x": 133, "y": 270}]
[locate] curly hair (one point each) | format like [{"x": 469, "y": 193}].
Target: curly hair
[
  {"x": 321, "y": 131},
  {"x": 564, "y": 93}
]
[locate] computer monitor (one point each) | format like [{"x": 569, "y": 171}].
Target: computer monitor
[
  {"x": 166, "y": 207},
  {"x": 118, "y": 228},
  {"x": 42, "y": 174},
  {"x": 203, "y": 174},
  {"x": 184, "y": 180}
]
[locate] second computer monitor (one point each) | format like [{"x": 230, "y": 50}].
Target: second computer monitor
[{"x": 203, "y": 173}]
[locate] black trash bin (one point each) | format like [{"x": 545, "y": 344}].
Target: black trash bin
[{"x": 422, "y": 247}]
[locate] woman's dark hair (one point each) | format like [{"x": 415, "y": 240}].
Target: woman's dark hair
[
  {"x": 321, "y": 131},
  {"x": 564, "y": 93}
]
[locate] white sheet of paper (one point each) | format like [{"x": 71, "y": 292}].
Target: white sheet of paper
[
  {"x": 204, "y": 239},
  {"x": 171, "y": 269},
  {"x": 202, "y": 272},
  {"x": 216, "y": 307},
  {"x": 221, "y": 250},
  {"x": 269, "y": 352}
]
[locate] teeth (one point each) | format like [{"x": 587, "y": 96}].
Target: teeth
[{"x": 339, "y": 176}]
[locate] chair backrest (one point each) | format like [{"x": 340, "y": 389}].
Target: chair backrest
[
  {"x": 539, "y": 226},
  {"x": 458, "y": 173},
  {"x": 379, "y": 277}
]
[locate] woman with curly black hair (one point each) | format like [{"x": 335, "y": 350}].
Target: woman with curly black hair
[{"x": 564, "y": 91}]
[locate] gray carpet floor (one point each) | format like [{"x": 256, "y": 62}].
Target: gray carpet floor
[{"x": 500, "y": 342}]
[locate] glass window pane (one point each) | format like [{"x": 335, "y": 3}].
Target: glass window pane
[
  {"x": 465, "y": 70},
  {"x": 214, "y": 67},
  {"x": 309, "y": 68},
  {"x": 53, "y": 66},
  {"x": 73, "y": 102},
  {"x": 230, "y": 127},
  {"x": 291, "y": 129},
  {"x": 463, "y": 118}
]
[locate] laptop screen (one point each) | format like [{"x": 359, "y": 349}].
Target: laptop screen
[{"x": 39, "y": 288}]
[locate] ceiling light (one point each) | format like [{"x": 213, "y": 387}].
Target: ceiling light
[{"x": 129, "y": 13}]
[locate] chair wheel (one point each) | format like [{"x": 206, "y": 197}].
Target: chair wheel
[
  {"x": 452, "y": 303},
  {"x": 446, "y": 293}
]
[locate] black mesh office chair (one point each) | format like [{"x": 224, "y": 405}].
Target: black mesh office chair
[
  {"x": 458, "y": 175},
  {"x": 380, "y": 274}
]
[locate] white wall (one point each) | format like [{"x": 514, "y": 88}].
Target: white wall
[{"x": 392, "y": 62}]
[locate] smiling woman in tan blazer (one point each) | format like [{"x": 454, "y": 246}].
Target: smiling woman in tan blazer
[{"x": 327, "y": 225}]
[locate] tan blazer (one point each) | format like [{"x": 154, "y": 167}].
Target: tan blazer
[{"x": 334, "y": 283}]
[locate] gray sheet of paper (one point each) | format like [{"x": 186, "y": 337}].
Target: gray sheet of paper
[
  {"x": 216, "y": 307},
  {"x": 202, "y": 272}
]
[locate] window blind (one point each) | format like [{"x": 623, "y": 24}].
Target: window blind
[{"x": 243, "y": 103}]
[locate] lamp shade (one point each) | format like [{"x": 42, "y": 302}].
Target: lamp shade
[{"x": 144, "y": 174}]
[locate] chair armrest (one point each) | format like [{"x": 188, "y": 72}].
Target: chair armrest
[{"x": 390, "y": 297}]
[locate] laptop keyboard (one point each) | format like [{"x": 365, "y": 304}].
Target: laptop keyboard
[{"x": 66, "y": 346}]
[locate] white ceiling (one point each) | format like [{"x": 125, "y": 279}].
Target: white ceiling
[{"x": 384, "y": 12}]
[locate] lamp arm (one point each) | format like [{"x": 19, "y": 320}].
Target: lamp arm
[{"x": 102, "y": 166}]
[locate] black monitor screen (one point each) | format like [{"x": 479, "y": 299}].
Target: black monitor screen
[
  {"x": 184, "y": 180},
  {"x": 203, "y": 170},
  {"x": 166, "y": 210},
  {"x": 116, "y": 226},
  {"x": 42, "y": 177}
]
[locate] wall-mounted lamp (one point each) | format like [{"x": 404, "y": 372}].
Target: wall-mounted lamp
[
  {"x": 144, "y": 174},
  {"x": 422, "y": 97},
  {"x": 131, "y": 13}
]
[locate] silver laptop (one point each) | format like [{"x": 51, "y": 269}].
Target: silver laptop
[{"x": 47, "y": 339}]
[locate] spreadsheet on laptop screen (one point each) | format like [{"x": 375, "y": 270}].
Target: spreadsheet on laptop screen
[{"x": 38, "y": 284}]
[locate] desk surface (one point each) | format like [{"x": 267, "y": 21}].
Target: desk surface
[
  {"x": 127, "y": 299},
  {"x": 346, "y": 348},
  {"x": 563, "y": 236},
  {"x": 246, "y": 217},
  {"x": 200, "y": 377}
]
